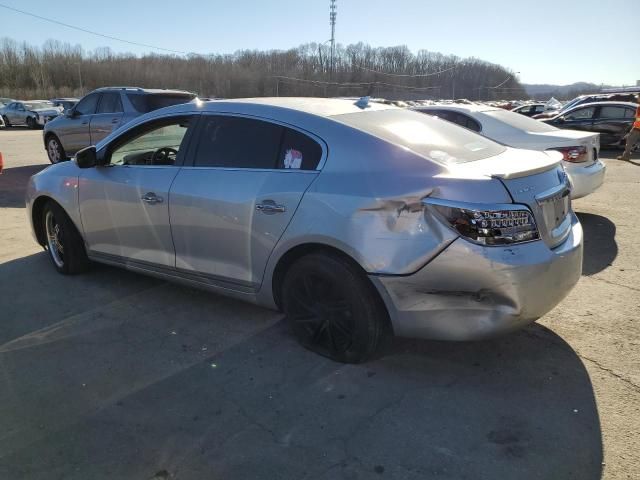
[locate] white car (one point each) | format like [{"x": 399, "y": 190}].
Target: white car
[{"x": 579, "y": 149}]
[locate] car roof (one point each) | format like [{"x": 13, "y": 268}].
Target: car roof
[
  {"x": 320, "y": 107},
  {"x": 461, "y": 107},
  {"x": 595, "y": 104},
  {"x": 144, "y": 90}
]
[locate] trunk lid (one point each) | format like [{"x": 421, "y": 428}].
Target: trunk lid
[{"x": 537, "y": 180}]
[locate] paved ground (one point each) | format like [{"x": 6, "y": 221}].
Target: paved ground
[{"x": 112, "y": 375}]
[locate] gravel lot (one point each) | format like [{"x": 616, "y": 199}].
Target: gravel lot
[{"x": 113, "y": 375}]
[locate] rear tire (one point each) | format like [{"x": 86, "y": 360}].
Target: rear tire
[
  {"x": 333, "y": 309},
  {"x": 55, "y": 152},
  {"x": 63, "y": 242}
]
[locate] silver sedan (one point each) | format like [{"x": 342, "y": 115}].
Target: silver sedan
[{"x": 358, "y": 220}]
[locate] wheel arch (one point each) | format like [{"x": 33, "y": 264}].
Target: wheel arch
[
  {"x": 37, "y": 210},
  {"x": 298, "y": 251}
]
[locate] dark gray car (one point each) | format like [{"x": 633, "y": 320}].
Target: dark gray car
[{"x": 99, "y": 113}]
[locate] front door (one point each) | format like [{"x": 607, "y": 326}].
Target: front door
[
  {"x": 578, "y": 119},
  {"x": 107, "y": 117},
  {"x": 124, "y": 205},
  {"x": 230, "y": 207},
  {"x": 74, "y": 131}
]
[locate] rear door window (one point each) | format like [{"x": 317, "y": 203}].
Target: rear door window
[
  {"x": 611, "y": 111},
  {"x": 110, "y": 103},
  {"x": 236, "y": 142}
]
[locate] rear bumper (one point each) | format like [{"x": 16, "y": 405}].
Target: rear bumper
[
  {"x": 586, "y": 180},
  {"x": 472, "y": 292}
]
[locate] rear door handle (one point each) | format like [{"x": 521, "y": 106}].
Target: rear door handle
[
  {"x": 269, "y": 207},
  {"x": 151, "y": 198}
]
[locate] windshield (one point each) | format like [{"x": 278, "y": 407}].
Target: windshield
[
  {"x": 518, "y": 121},
  {"x": 428, "y": 136},
  {"x": 35, "y": 105}
]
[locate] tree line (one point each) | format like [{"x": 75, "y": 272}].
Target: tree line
[{"x": 58, "y": 69}]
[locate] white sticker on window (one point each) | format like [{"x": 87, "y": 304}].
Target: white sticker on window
[{"x": 293, "y": 159}]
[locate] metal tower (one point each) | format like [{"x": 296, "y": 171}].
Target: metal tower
[{"x": 332, "y": 20}]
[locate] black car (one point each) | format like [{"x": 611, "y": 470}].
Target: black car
[
  {"x": 612, "y": 120},
  {"x": 530, "y": 109}
]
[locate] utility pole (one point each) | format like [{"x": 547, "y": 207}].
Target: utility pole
[
  {"x": 80, "y": 79},
  {"x": 332, "y": 20}
]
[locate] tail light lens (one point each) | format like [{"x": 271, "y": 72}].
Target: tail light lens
[
  {"x": 487, "y": 224},
  {"x": 573, "y": 154}
]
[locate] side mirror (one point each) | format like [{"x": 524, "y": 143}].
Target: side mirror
[
  {"x": 561, "y": 119},
  {"x": 87, "y": 157},
  {"x": 71, "y": 112}
]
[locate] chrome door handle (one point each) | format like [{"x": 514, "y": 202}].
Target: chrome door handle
[
  {"x": 270, "y": 207},
  {"x": 151, "y": 198}
]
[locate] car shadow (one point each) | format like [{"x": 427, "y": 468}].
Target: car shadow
[
  {"x": 600, "y": 246},
  {"x": 120, "y": 373},
  {"x": 13, "y": 184}
]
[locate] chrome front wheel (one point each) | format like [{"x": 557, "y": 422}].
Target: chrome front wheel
[
  {"x": 62, "y": 241},
  {"x": 54, "y": 241}
]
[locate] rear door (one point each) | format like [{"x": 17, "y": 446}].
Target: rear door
[
  {"x": 74, "y": 131},
  {"x": 612, "y": 122},
  {"x": 231, "y": 206},
  {"x": 107, "y": 117}
]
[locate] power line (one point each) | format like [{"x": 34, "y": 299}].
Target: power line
[
  {"x": 110, "y": 37},
  {"x": 408, "y": 75},
  {"x": 285, "y": 79}
]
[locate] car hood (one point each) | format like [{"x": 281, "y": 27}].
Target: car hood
[{"x": 46, "y": 111}]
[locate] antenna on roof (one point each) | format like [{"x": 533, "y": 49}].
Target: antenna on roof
[{"x": 362, "y": 102}]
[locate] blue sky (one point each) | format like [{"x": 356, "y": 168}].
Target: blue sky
[{"x": 546, "y": 41}]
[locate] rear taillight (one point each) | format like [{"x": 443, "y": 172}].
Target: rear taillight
[
  {"x": 573, "y": 154},
  {"x": 1, "y": 162},
  {"x": 487, "y": 224}
]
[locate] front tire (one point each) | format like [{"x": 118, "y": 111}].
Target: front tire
[
  {"x": 63, "y": 242},
  {"x": 7, "y": 123},
  {"x": 31, "y": 123},
  {"x": 333, "y": 309},
  {"x": 55, "y": 152}
]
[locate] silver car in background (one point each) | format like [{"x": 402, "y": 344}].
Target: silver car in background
[
  {"x": 33, "y": 114},
  {"x": 101, "y": 112},
  {"x": 357, "y": 220}
]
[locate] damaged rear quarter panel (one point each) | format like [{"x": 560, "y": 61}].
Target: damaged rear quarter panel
[{"x": 366, "y": 202}]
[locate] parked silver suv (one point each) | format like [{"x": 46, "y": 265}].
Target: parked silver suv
[{"x": 99, "y": 113}]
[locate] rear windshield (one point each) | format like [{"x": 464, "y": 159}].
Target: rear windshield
[
  {"x": 148, "y": 102},
  {"x": 431, "y": 137},
  {"x": 520, "y": 122}
]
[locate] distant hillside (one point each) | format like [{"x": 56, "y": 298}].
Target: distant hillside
[
  {"x": 59, "y": 69},
  {"x": 545, "y": 91}
]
